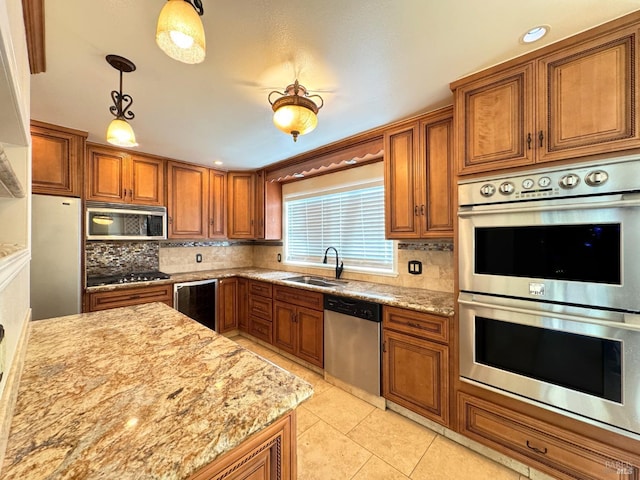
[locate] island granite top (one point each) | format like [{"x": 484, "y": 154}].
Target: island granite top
[{"x": 138, "y": 392}]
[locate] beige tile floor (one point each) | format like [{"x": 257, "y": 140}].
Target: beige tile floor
[{"x": 341, "y": 437}]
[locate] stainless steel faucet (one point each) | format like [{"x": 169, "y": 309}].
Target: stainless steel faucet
[{"x": 338, "y": 268}]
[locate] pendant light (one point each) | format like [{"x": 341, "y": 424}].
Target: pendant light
[
  {"x": 294, "y": 112},
  {"x": 120, "y": 132},
  {"x": 180, "y": 33}
]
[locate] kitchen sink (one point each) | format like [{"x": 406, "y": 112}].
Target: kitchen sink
[{"x": 317, "y": 281}]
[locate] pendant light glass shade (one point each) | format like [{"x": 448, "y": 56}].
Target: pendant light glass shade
[
  {"x": 121, "y": 134},
  {"x": 180, "y": 33},
  {"x": 295, "y": 120},
  {"x": 294, "y": 112}
]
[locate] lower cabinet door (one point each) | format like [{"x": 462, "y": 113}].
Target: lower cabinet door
[
  {"x": 310, "y": 326},
  {"x": 284, "y": 327},
  {"x": 416, "y": 375}
]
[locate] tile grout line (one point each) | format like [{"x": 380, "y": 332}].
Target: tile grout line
[{"x": 423, "y": 455}]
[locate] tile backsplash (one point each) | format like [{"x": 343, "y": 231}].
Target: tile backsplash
[
  {"x": 115, "y": 258},
  {"x": 111, "y": 258}
]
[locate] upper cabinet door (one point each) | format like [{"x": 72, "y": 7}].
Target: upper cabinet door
[
  {"x": 57, "y": 156},
  {"x": 217, "y": 204},
  {"x": 241, "y": 197},
  {"x": 147, "y": 180},
  {"x": 188, "y": 200},
  {"x": 436, "y": 148},
  {"x": 588, "y": 100},
  {"x": 494, "y": 121},
  {"x": 106, "y": 175},
  {"x": 401, "y": 184}
]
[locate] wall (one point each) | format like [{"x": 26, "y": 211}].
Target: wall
[
  {"x": 177, "y": 257},
  {"x": 436, "y": 258}
]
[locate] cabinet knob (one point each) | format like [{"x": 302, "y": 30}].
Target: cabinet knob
[
  {"x": 541, "y": 137},
  {"x": 529, "y": 140}
]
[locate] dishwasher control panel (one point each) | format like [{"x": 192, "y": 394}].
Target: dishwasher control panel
[{"x": 353, "y": 307}]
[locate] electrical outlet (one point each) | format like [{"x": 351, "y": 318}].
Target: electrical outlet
[
  {"x": 198, "y": 258},
  {"x": 415, "y": 267}
]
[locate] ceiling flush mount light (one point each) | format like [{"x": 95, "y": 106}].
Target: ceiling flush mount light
[
  {"x": 534, "y": 34},
  {"x": 294, "y": 112},
  {"x": 120, "y": 132},
  {"x": 180, "y": 33}
]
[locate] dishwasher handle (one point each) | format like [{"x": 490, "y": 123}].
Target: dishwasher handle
[{"x": 355, "y": 308}]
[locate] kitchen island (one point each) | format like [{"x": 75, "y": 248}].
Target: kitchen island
[{"x": 143, "y": 392}]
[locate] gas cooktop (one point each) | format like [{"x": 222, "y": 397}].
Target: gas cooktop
[{"x": 126, "y": 278}]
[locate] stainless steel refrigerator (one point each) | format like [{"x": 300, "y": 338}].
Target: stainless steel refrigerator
[{"x": 55, "y": 256}]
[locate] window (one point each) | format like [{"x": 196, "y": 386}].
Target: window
[{"x": 347, "y": 217}]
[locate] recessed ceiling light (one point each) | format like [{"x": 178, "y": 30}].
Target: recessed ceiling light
[{"x": 534, "y": 34}]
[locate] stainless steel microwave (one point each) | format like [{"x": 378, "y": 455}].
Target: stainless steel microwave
[{"x": 113, "y": 221}]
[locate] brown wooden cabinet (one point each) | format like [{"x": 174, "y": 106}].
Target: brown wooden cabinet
[
  {"x": 227, "y": 307},
  {"x": 122, "y": 297},
  {"x": 241, "y": 204},
  {"x": 117, "y": 176},
  {"x": 57, "y": 158},
  {"x": 217, "y": 204},
  {"x": 546, "y": 447},
  {"x": 298, "y": 323},
  {"x": 260, "y": 307},
  {"x": 243, "y": 304},
  {"x": 416, "y": 372},
  {"x": 565, "y": 101},
  {"x": 254, "y": 206},
  {"x": 188, "y": 200},
  {"x": 419, "y": 176},
  {"x": 268, "y": 455}
]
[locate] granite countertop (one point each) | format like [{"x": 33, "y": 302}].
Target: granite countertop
[
  {"x": 430, "y": 301},
  {"x": 138, "y": 392}
]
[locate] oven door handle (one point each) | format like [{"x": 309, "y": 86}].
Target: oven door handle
[
  {"x": 620, "y": 201},
  {"x": 628, "y": 319}
]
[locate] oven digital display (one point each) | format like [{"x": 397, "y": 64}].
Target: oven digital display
[
  {"x": 582, "y": 253},
  {"x": 578, "y": 362}
]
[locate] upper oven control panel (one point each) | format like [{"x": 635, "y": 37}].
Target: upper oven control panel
[{"x": 622, "y": 175}]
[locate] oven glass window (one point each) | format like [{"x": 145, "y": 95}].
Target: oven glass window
[
  {"x": 582, "y": 253},
  {"x": 579, "y": 362}
]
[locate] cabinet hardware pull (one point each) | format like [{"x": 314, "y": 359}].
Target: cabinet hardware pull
[
  {"x": 384, "y": 347},
  {"x": 541, "y": 137},
  {"x": 170, "y": 220},
  {"x": 422, "y": 209},
  {"x": 415, "y": 210},
  {"x": 414, "y": 325},
  {"x": 542, "y": 451},
  {"x": 529, "y": 140},
  {"x": 133, "y": 297}
]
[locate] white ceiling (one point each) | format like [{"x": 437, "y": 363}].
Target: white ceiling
[{"x": 373, "y": 62}]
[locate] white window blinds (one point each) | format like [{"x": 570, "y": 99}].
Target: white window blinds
[{"x": 350, "y": 219}]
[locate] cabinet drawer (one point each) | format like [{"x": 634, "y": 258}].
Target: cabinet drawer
[
  {"x": 263, "y": 289},
  {"x": 261, "y": 307},
  {"x": 299, "y": 296},
  {"x": 425, "y": 325},
  {"x": 261, "y": 329},
  {"x": 130, "y": 296},
  {"x": 561, "y": 453}
]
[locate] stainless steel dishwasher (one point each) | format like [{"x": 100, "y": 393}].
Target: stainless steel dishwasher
[{"x": 352, "y": 342}]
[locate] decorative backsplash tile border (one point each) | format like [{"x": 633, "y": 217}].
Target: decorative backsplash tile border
[{"x": 442, "y": 246}]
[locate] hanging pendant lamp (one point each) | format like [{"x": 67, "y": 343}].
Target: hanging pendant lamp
[
  {"x": 180, "y": 33},
  {"x": 120, "y": 132},
  {"x": 294, "y": 112}
]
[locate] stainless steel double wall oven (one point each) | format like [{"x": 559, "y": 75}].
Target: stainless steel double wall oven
[{"x": 549, "y": 264}]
